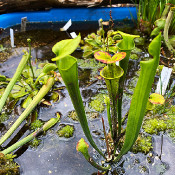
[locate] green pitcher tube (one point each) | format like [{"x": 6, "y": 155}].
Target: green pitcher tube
[
  {"x": 125, "y": 45},
  {"x": 112, "y": 83},
  {"x": 68, "y": 69}
]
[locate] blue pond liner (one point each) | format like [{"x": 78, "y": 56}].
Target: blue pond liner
[{"x": 64, "y": 14}]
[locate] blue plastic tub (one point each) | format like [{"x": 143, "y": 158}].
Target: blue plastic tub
[{"x": 64, "y": 14}]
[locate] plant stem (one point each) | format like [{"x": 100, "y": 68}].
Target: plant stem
[
  {"x": 30, "y": 64},
  {"x": 20, "y": 143},
  {"x": 14, "y": 79},
  {"x": 166, "y": 29},
  {"x": 43, "y": 91},
  {"x": 107, "y": 101},
  {"x": 94, "y": 164},
  {"x": 107, "y": 144}
]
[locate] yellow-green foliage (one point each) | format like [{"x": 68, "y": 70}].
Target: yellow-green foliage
[
  {"x": 35, "y": 142},
  {"x": 153, "y": 126},
  {"x": 97, "y": 103},
  {"x": 7, "y": 165},
  {"x": 67, "y": 131},
  {"x": 36, "y": 124},
  {"x": 142, "y": 144}
]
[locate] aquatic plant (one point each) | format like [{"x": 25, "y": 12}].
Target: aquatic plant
[
  {"x": 66, "y": 131},
  {"x": 23, "y": 141},
  {"x": 114, "y": 76}
]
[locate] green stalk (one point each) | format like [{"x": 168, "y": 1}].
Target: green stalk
[
  {"x": 166, "y": 29},
  {"x": 112, "y": 83},
  {"x": 82, "y": 147},
  {"x": 43, "y": 91},
  {"x": 107, "y": 102},
  {"x": 140, "y": 96},
  {"x": 125, "y": 45},
  {"x": 27, "y": 139},
  {"x": 17, "y": 74},
  {"x": 30, "y": 64},
  {"x": 68, "y": 69}
]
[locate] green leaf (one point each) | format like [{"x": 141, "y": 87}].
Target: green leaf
[
  {"x": 127, "y": 43},
  {"x": 20, "y": 93},
  {"x": 92, "y": 42},
  {"x": 26, "y": 102},
  {"x": 65, "y": 47},
  {"x": 49, "y": 67},
  {"x": 2, "y": 78},
  {"x": 156, "y": 99},
  {"x": 104, "y": 57},
  {"x": 68, "y": 69},
  {"x": 141, "y": 95}
]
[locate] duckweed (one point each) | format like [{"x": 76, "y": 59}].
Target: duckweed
[{"x": 66, "y": 131}]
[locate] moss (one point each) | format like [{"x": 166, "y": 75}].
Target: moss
[
  {"x": 153, "y": 126},
  {"x": 97, "y": 103},
  {"x": 90, "y": 115},
  {"x": 90, "y": 64},
  {"x": 142, "y": 144},
  {"x": 136, "y": 50},
  {"x": 7, "y": 165},
  {"x": 66, "y": 131},
  {"x": 3, "y": 117},
  {"x": 36, "y": 124},
  {"x": 35, "y": 142},
  {"x": 134, "y": 56}
]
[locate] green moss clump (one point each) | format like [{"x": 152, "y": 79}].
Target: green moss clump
[
  {"x": 35, "y": 142},
  {"x": 97, "y": 103},
  {"x": 67, "y": 131},
  {"x": 143, "y": 144},
  {"x": 3, "y": 117},
  {"x": 7, "y": 165},
  {"x": 134, "y": 56},
  {"x": 136, "y": 50},
  {"x": 89, "y": 64},
  {"x": 36, "y": 124},
  {"x": 153, "y": 126}
]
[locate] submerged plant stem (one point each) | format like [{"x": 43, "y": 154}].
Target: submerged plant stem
[
  {"x": 166, "y": 29},
  {"x": 14, "y": 79},
  {"x": 27, "y": 139},
  {"x": 43, "y": 91}
]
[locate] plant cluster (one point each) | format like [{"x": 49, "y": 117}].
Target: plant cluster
[{"x": 114, "y": 77}]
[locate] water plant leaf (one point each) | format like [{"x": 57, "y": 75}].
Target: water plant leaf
[
  {"x": 65, "y": 47},
  {"x": 140, "y": 96},
  {"x": 49, "y": 67},
  {"x": 156, "y": 99},
  {"x": 68, "y": 69},
  {"x": 119, "y": 56},
  {"x": 102, "y": 56},
  {"x": 127, "y": 43},
  {"x": 105, "y": 57},
  {"x": 26, "y": 102},
  {"x": 18, "y": 72}
]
